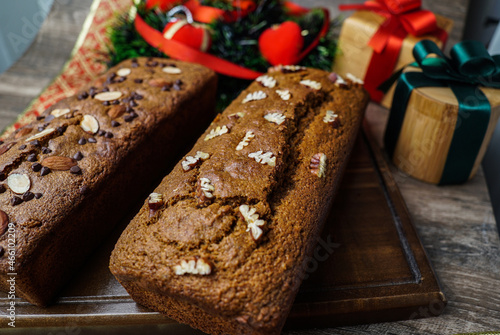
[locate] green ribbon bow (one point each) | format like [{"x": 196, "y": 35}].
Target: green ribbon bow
[{"x": 470, "y": 66}]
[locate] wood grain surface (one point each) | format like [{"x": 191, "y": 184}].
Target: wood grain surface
[{"x": 455, "y": 223}]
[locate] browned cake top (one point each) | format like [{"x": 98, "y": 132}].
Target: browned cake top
[
  {"x": 49, "y": 167},
  {"x": 227, "y": 229}
]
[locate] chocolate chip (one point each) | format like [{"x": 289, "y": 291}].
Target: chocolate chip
[
  {"x": 165, "y": 88},
  {"x": 111, "y": 76},
  {"x": 92, "y": 91},
  {"x": 49, "y": 118},
  {"x": 38, "y": 195},
  {"x": 28, "y": 196},
  {"x": 22, "y": 147},
  {"x": 176, "y": 87},
  {"x": 116, "y": 102},
  {"x": 31, "y": 158},
  {"x": 138, "y": 81},
  {"x": 36, "y": 167},
  {"x": 115, "y": 123},
  {"x": 2, "y": 251},
  {"x": 82, "y": 141},
  {"x": 78, "y": 156},
  {"x": 41, "y": 128},
  {"x": 134, "y": 60},
  {"x": 84, "y": 189},
  {"x": 40, "y": 117},
  {"x": 92, "y": 140},
  {"x": 1, "y": 142},
  {"x": 46, "y": 150},
  {"x": 101, "y": 132},
  {"x": 106, "y": 103},
  {"x": 152, "y": 63},
  {"x": 132, "y": 103},
  {"x": 61, "y": 129},
  {"x": 44, "y": 171},
  {"x": 2, "y": 188},
  {"x": 128, "y": 118},
  {"x": 135, "y": 65},
  {"x": 105, "y": 89},
  {"x": 179, "y": 82},
  {"x": 138, "y": 97},
  {"x": 3, "y": 176},
  {"x": 129, "y": 109},
  {"x": 83, "y": 95},
  {"x": 35, "y": 143},
  {"x": 75, "y": 170},
  {"x": 15, "y": 201},
  {"x": 121, "y": 79},
  {"x": 109, "y": 135}
]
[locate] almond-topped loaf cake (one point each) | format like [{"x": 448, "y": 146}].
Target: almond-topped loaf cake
[
  {"x": 222, "y": 242},
  {"x": 68, "y": 178}
]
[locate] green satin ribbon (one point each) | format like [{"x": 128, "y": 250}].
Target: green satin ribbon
[{"x": 470, "y": 66}]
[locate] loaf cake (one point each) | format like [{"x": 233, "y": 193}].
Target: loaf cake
[
  {"x": 67, "y": 178},
  {"x": 221, "y": 244}
]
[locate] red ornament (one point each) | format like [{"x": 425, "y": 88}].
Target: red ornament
[
  {"x": 192, "y": 34},
  {"x": 281, "y": 44},
  {"x": 163, "y": 5}
]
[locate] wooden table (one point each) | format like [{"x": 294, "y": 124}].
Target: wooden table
[{"x": 455, "y": 223}]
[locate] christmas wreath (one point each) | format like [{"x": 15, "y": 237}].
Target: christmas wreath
[{"x": 239, "y": 39}]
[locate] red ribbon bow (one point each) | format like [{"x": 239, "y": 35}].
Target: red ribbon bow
[{"x": 403, "y": 17}]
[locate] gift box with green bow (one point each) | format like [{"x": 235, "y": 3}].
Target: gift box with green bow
[{"x": 444, "y": 112}]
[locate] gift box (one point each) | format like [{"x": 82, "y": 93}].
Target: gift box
[
  {"x": 444, "y": 113},
  {"x": 378, "y": 40}
]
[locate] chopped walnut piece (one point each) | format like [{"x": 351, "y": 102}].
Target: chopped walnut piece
[
  {"x": 284, "y": 94},
  {"x": 311, "y": 84},
  {"x": 252, "y": 219},
  {"x": 263, "y": 158},
  {"x": 291, "y": 68},
  {"x": 195, "y": 266},
  {"x": 204, "y": 191},
  {"x": 331, "y": 118},
  {"x": 190, "y": 162},
  {"x": 275, "y": 117},
  {"x": 236, "y": 116},
  {"x": 245, "y": 141},
  {"x": 354, "y": 79},
  {"x": 258, "y": 95},
  {"x": 216, "y": 132},
  {"x": 266, "y": 81},
  {"x": 340, "y": 82},
  {"x": 318, "y": 164},
  {"x": 155, "y": 202}
]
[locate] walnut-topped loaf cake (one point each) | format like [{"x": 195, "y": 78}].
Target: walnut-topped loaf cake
[
  {"x": 222, "y": 242},
  {"x": 67, "y": 178}
]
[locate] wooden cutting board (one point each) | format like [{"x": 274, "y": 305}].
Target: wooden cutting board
[{"x": 369, "y": 265}]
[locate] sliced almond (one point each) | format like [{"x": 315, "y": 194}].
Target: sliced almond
[
  {"x": 18, "y": 183},
  {"x": 123, "y": 72},
  {"x": 171, "y": 70},
  {"x": 43, "y": 133},
  {"x": 5, "y": 147},
  {"x": 60, "y": 112},
  {"x": 89, "y": 124},
  {"x": 108, "y": 96},
  {"x": 58, "y": 163},
  {"x": 157, "y": 82},
  {"x": 4, "y": 222},
  {"x": 116, "y": 111},
  {"x": 23, "y": 131}
]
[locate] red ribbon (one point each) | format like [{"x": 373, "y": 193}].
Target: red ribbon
[
  {"x": 180, "y": 51},
  {"x": 403, "y": 17}
]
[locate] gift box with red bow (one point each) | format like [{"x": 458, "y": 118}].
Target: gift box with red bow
[{"x": 378, "y": 39}]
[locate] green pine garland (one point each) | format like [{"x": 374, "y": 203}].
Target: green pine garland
[{"x": 237, "y": 42}]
